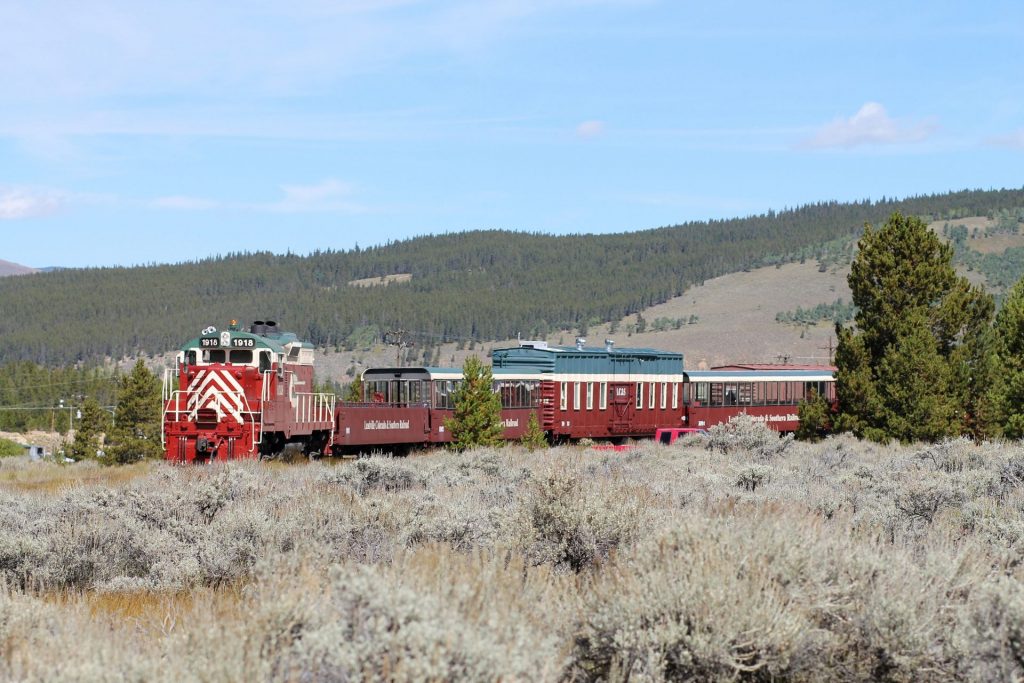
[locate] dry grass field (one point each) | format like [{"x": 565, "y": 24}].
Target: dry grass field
[{"x": 737, "y": 557}]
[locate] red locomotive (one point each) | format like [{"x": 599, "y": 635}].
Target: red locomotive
[{"x": 236, "y": 394}]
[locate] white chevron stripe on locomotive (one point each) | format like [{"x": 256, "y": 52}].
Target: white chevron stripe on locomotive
[{"x": 217, "y": 390}]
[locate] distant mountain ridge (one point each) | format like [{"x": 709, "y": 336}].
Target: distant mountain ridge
[
  {"x": 10, "y": 268},
  {"x": 480, "y": 285}
]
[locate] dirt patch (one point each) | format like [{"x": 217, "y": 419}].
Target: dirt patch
[
  {"x": 383, "y": 280},
  {"x": 736, "y": 317}
]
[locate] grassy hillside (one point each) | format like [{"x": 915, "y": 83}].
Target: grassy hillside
[{"x": 477, "y": 285}]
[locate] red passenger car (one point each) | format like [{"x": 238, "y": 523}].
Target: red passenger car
[
  {"x": 407, "y": 407},
  {"x": 597, "y": 393},
  {"x": 768, "y": 393}
]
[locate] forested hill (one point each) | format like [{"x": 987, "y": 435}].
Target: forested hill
[{"x": 480, "y": 285}]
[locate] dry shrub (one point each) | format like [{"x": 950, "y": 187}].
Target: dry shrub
[
  {"x": 376, "y": 474},
  {"x": 756, "y": 598},
  {"x": 839, "y": 560},
  {"x": 432, "y": 615},
  {"x": 575, "y": 522},
  {"x": 992, "y": 631},
  {"x": 745, "y": 436}
]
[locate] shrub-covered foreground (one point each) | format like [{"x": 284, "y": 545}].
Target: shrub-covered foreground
[{"x": 726, "y": 559}]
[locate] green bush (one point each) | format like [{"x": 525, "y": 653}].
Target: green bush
[{"x": 9, "y": 448}]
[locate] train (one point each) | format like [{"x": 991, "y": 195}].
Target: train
[{"x": 249, "y": 393}]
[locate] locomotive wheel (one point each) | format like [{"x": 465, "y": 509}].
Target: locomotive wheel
[{"x": 272, "y": 446}]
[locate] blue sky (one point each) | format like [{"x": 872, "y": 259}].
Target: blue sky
[{"x": 137, "y": 132}]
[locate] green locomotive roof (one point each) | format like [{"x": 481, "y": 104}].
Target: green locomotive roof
[{"x": 274, "y": 341}]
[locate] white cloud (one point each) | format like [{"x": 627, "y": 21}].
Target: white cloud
[
  {"x": 590, "y": 129},
  {"x": 21, "y": 202},
  {"x": 327, "y": 195},
  {"x": 184, "y": 203},
  {"x": 871, "y": 125},
  {"x": 1014, "y": 140}
]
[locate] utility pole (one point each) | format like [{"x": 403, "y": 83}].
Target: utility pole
[
  {"x": 830, "y": 348},
  {"x": 397, "y": 338}
]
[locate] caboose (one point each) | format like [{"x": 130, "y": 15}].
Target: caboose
[{"x": 243, "y": 394}]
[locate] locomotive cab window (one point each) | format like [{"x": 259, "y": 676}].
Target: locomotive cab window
[
  {"x": 214, "y": 355},
  {"x": 264, "y": 361},
  {"x": 241, "y": 356}
]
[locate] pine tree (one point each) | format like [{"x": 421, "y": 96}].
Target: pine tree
[
  {"x": 477, "y": 417},
  {"x": 94, "y": 421},
  {"x": 136, "y": 433},
  {"x": 534, "y": 438},
  {"x": 1008, "y": 394},
  {"x": 918, "y": 364},
  {"x": 815, "y": 418},
  {"x": 354, "y": 393}
]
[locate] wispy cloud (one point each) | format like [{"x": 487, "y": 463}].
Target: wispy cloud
[
  {"x": 871, "y": 125},
  {"x": 184, "y": 203},
  {"x": 590, "y": 129},
  {"x": 23, "y": 202},
  {"x": 1013, "y": 140},
  {"x": 329, "y": 195}
]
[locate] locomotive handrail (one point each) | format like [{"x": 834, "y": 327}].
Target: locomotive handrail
[
  {"x": 179, "y": 410},
  {"x": 314, "y": 407}
]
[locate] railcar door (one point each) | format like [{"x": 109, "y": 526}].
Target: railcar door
[{"x": 621, "y": 399}]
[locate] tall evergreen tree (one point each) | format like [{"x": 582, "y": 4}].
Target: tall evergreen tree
[
  {"x": 918, "y": 363},
  {"x": 477, "y": 417},
  {"x": 136, "y": 432},
  {"x": 1009, "y": 343},
  {"x": 94, "y": 422}
]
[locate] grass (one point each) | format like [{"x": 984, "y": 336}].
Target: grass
[
  {"x": 47, "y": 477},
  {"x": 846, "y": 561}
]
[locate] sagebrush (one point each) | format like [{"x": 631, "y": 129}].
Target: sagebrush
[{"x": 734, "y": 558}]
